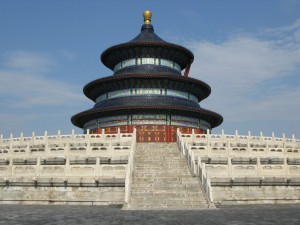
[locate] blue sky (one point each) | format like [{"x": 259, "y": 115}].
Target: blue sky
[{"x": 247, "y": 51}]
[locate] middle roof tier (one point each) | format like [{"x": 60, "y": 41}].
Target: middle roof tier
[{"x": 195, "y": 87}]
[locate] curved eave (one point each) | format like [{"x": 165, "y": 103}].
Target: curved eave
[
  {"x": 81, "y": 118},
  {"x": 128, "y": 50},
  {"x": 117, "y": 82}
]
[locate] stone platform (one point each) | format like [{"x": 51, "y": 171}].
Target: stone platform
[{"x": 230, "y": 215}]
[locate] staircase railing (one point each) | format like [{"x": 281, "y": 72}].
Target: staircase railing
[
  {"x": 196, "y": 168},
  {"x": 129, "y": 171}
]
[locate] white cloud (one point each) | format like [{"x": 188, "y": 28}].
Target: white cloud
[
  {"x": 24, "y": 83},
  {"x": 28, "y": 61},
  {"x": 252, "y": 77}
]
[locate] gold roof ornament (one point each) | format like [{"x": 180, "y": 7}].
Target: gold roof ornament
[{"x": 147, "y": 16}]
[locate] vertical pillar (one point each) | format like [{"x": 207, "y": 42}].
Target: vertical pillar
[
  {"x": 236, "y": 135},
  {"x": 10, "y": 140},
  {"x": 222, "y": 135},
  {"x": 261, "y": 136},
  {"x": 230, "y": 170},
  {"x": 259, "y": 169},
  {"x": 168, "y": 135},
  {"x": 73, "y": 134},
  {"x": 248, "y": 143}
]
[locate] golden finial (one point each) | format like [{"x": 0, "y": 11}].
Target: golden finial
[{"x": 147, "y": 16}]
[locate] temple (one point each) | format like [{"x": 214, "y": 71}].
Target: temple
[
  {"x": 147, "y": 144},
  {"x": 147, "y": 91}
]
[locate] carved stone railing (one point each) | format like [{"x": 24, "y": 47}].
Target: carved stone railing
[
  {"x": 27, "y": 159},
  {"x": 196, "y": 170},
  {"x": 241, "y": 160},
  {"x": 129, "y": 171}
]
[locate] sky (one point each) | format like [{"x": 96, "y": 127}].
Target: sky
[{"x": 248, "y": 51}]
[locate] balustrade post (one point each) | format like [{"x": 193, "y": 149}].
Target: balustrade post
[
  {"x": 38, "y": 170},
  {"x": 10, "y": 141},
  {"x": 10, "y": 166},
  {"x": 97, "y": 168},
  {"x": 21, "y": 138},
  {"x": 261, "y": 137},
  {"x": 193, "y": 135},
  {"x": 259, "y": 169},
  {"x": 286, "y": 168},
  {"x": 103, "y": 137},
  {"x": 46, "y": 139},
  {"x": 134, "y": 134},
  {"x": 58, "y": 137},
  {"x": 236, "y": 135},
  {"x": 119, "y": 135},
  {"x": 248, "y": 143},
  {"x": 203, "y": 174}
]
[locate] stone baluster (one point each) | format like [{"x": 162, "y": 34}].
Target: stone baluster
[
  {"x": 87, "y": 135},
  {"x": 230, "y": 170},
  {"x": 286, "y": 168},
  {"x": 119, "y": 135},
  {"x": 208, "y": 137},
  {"x": 46, "y": 142},
  {"x": 236, "y": 136},
  {"x": 102, "y": 135},
  {"x": 58, "y": 137},
  {"x": 21, "y": 139},
  {"x": 134, "y": 135},
  {"x": 88, "y": 148},
  {"x": 248, "y": 143},
  {"x": 10, "y": 142},
  {"x": 38, "y": 169},
  {"x": 73, "y": 135},
  {"x": 259, "y": 168},
  {"x": 33, "y": 138},
  {"x": 222, "y": 136},
  {"x": 67, "y": 167},
  {"x": 261, "y": 137},
  {"x": 110, "y": 149}
]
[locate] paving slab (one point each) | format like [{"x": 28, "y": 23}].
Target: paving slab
[{"x": 229, "y": 215}]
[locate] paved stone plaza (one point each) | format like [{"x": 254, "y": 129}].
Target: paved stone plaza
[{"x": 231, "y": 215}]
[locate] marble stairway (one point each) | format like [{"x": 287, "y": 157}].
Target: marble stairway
[{"x": 161, "y": 179}]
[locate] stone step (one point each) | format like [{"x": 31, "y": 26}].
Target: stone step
[
  {"x": 153, "y": 160},
  {"x": 168, "y": 202},
  {"x": 155, "y": 154},
  {"x": 162, "y": 180},
  {"x": 161, "y": 164},
  {"x": 166, "y": 170},
  {"x": 154, "y": 181},
  {"x": 175, "y": 179},
  {"x": 184, "y": 194},
  {"x": 165, "y": 189},
  {"x": 159, "y": 170},
  {"x": 166, "y": 185},
  {"x": 153, "y": 174},
  {"x": 166, "y": 207}
]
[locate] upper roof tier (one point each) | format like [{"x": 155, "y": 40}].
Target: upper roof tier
[{"x": 147, "y": 45}]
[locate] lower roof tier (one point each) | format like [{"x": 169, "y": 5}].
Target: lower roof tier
[
  {"x": 112, "y": 83},
  {"x": 82, "y": 118},
  {"x": 147, "y": 100}
]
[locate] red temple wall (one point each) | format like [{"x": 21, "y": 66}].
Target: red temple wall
[{"x": 150, "y": 133}]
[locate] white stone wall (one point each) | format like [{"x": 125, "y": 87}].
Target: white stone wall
[
  {"x": 237, "y": 168},
  {"x": 88, "y": 168}
]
